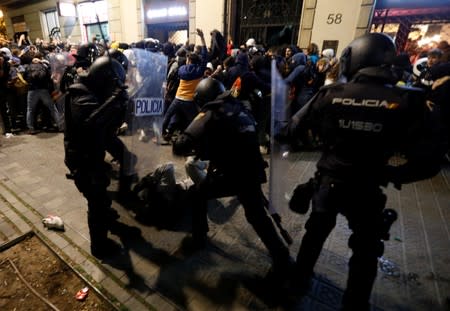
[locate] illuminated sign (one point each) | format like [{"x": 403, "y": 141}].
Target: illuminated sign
[
  {"x": 382, "y": 4},
  {"x": 90, "y": 10},
  {"x": 67, "y": 9},
  {"x": 175, "y": 11}
]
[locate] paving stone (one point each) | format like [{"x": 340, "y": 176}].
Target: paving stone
[
  {"x": 115, "y": 290},
  {"x": 161, "y": 303},
  {"x": 41, "y": 191},
  {"x": 7, "y": 230},
  {"x": 204, "y": 280},
  {"x": 134, "y": 304},
  {"x": 93, "y": 270},
  {"x": 57, "y": 238},
  {"x": 75, "y": 255}
]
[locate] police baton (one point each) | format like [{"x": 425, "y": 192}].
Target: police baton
[{"x": 277, "y": 219}]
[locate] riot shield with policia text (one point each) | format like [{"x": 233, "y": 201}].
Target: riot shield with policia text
[
  {"x": 279, "y": 165},
  {"x": 146, "y": 79}
]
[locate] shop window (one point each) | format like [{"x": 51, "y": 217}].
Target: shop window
[
  {"x": 94, "y": 32},
  {"x": 51, "y": 22},
  {"x": 92, "y": 14}
]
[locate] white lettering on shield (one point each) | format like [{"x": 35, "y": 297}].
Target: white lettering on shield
[{"x": 148, "y": 106}]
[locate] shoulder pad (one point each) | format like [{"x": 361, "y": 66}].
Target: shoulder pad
[
  {"x": 411, "y": 89},
  {"x": 332, "y": 85},
  {"x": 78, "y": 87},
  {"x": 214, "y": 105}
]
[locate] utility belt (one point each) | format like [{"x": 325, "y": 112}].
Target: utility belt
[{"x": 303, "y": 193}]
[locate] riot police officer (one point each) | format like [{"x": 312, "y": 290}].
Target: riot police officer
[
  {"x": 86, "y": 54},
  {"x": 94, "y": 109},
  {"x": 224, "y": 132},
  {"x": 362, "y": 124}
]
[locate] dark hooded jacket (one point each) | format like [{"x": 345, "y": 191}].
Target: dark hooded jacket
[{"x": 249, "y": 80}]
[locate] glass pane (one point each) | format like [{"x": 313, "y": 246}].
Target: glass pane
[{"x": 52, "y": 20}]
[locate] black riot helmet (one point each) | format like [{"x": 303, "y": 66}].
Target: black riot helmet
[
  {"x": 369, "y": 50},
  {"x": 105, "y": 75},
  {"x": 87, "y": 52},
  {"x": 207, "y": 90},
  {"x": 120, "y": 57}
]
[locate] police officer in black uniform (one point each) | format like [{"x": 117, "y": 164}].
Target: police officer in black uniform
[
  {"x": 86, "y": 54},
  {"x": 362, "y": 124},
  {"x": 95, "y": 107},
  {"x": 224, "y": 132}
]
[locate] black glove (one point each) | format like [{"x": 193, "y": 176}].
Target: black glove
[
  {"x": 301, "y": 197},
  {"x": 121, "y": 93},
  {"x": 184, "y": 145}
]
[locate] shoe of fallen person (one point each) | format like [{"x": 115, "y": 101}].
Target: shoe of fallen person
[
  {"x": 108, "y": 248},
  {"x": 143, "y": 137},
  {"x": 123, "y": 129}
]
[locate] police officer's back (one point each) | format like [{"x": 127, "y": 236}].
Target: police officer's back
[
  {"x": 362, "y": 124},
  {"x": 224, "y": 133},
  {"x": 365, "y": 121}
]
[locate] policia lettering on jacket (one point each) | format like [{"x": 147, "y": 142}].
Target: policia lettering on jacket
[{"x": 362, "y": 124}]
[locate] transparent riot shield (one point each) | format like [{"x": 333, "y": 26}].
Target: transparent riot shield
[
  {"x": 59, "y": 63},
  {"x": 280, "y": 183},
  {"x": 146, "y": 79},
  {"x": 290, "y": 172}
]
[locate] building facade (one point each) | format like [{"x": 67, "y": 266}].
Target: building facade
[
  {"x": 328, "y": 23},
  {"x": 77, "y": 21}
]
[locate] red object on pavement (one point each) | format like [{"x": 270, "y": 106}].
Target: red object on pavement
[{"x": 82, "y": 293}]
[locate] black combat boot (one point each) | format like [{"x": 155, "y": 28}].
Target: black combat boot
[
  {"x": 125, "y": 194},
  {"x": 101, "y": 246},
  {"x": 105, "y": 248}
]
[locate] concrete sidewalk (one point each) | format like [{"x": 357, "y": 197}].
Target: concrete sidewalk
[{"x": 156, "y": 273}]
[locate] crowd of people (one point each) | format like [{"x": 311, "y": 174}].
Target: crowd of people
[
  {"x": 359, "y": 109},
  {"x": 27, "y": 76},
  {"x": 30, "y": 84}
]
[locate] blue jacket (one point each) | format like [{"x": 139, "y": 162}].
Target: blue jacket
[{"x": 194, "y": 71}]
